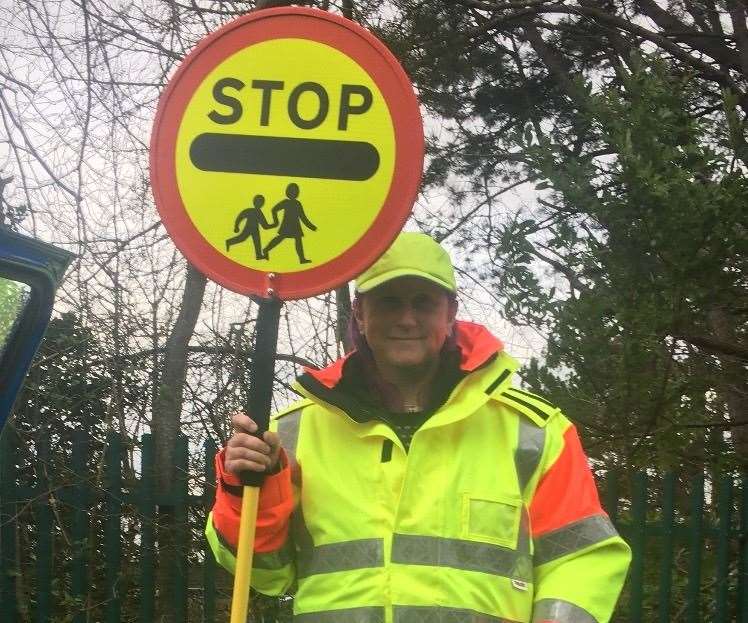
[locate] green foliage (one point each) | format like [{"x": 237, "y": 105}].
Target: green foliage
[
  {"x": 65, "y": 390},
  {"x": 659, "y": 246},
  {"x": 12, "y": 299}
]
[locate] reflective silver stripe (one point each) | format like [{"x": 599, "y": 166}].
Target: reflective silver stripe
[
  {"x": 301, "y": 536},
  {"x": 344, "y": 556},
  {"x": 273, "y": 560},
  {"x": 467, "y": 555},
  {"x": 435, "y": 614},
  {"x": 524, "y": 541},
  {"x": 347, "y": 615},
  {"x": 288, "y": 431},
  {"x": 573, "y": 537},
  {"x": 530, "y": 444},
  {"x": 560, "y": 611}
]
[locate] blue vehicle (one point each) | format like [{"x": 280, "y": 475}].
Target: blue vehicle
[{"x": 30, "y": 272}]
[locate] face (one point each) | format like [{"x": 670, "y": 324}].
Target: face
[{"x": 405, "y": 322}]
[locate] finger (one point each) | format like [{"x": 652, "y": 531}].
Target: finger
[
  {"x": 271, "y": 438},
  {"x": 242, "y": 459},
  {"x": 249, "y": 442},
  {"x": 245, "y": 454},
  {"x": 242, "y": 423},
  {"x": 240, "y": 466}
]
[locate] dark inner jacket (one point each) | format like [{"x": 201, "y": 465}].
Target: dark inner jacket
[{"x": 360, "y": 391}]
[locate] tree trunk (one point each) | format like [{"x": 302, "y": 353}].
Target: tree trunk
[
  {"x": 165, "y": 427},
  {"x": 733, "y": 387}
]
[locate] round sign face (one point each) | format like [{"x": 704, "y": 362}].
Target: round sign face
[{"x": 286, "y": 153}]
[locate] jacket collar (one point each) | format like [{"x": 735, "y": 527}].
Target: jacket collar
[{"x": 477, "y": 346}]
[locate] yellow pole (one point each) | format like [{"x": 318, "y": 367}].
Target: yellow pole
[{"x": 245, "y": 549}]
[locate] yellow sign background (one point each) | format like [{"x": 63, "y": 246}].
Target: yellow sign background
[{"x": 341, "y": 210}]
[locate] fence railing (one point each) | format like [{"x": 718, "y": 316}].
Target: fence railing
[{"x": 78, "y": 539}]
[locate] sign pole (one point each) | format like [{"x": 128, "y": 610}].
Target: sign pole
[{"x": 261, "y": 378}]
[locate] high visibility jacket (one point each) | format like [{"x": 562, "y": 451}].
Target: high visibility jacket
[{"x": 491, "y": 516}]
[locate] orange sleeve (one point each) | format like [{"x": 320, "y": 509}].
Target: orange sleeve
[
  {"x": 567, "y": 491},
  {"x": 275, "y": 505}
]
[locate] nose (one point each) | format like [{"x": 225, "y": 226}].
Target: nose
[{"x": 407, "y": 316}]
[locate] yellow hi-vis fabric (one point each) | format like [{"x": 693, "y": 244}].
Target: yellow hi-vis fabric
[{"x": 439, "y": 534}]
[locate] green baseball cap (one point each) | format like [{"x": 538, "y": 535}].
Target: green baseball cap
[{"x": 412, "y": 254}]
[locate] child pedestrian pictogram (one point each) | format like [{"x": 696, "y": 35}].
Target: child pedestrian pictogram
[
  {"x": 253, "y": 219},
  {"x": 290, "y": 227}
]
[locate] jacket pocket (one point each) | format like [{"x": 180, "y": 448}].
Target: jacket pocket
[{"x": 491, "y": 519}]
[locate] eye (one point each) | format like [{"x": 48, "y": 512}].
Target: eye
[
  {"x": 388, "y": 302},
  {"x": 424, "y": 302}
]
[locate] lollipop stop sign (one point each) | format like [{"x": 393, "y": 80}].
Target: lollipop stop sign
[{"x": 287, "y": 153}]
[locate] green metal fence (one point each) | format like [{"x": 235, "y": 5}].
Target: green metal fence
[{"x": 78, "y": 539}]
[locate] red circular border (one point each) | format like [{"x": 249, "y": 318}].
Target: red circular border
[{"x": 385, "y": 71}]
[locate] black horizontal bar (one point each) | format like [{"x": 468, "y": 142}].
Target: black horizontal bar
[{"x": 290, "y": 157}]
